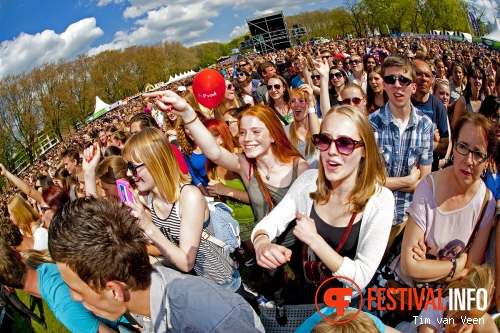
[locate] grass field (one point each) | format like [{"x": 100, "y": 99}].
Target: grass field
[{"x": 20, "y": 325}]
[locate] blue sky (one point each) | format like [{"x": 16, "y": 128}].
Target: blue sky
[{"x": 34, "y": 32}]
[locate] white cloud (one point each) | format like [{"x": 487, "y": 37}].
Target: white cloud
[
  {"x": 102, "y": 3},
  {"x": 239, "y": 30},
  {"x": 487, "y": 7},
  {"x": 27, "y": 51},
  {"x": 262, "y": 7}
]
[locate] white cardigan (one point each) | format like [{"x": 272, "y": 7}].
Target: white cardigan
[{"x": 376, "y": 225}]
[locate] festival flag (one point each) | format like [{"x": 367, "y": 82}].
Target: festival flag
[{"x": 473, "y": 21}]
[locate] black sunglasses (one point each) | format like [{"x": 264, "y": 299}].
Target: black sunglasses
[
  {"x": 240, "y": 74},
  {"x": 355, "y": 61},
  {"x": 276, "y": 86},
  {"x": 327, "y": 57},
  {"x": 133, "y": 168},
  {"x": 344, "y": 145},
  {"x": 37, "y": 187},
  {"x": 337, "y": 75},
  {"x": 315, "y": 77},
  {"x": 391, "y": 79},
  {"x": 355, "y": 101},
  {"x": 229, "y": 86},
  {"x": 243, "y": 64}
]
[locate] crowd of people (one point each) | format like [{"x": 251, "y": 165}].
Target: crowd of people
[{"x": 371, "y": 159}]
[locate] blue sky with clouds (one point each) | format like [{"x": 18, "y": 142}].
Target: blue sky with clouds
[{"x": 34, "y": 32}]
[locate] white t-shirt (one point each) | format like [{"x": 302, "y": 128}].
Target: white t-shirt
[{"x": 41, "y": 236}]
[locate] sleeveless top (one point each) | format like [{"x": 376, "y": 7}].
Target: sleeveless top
[
  {"x": 242, "y": 212},
  {"x": 259, "y": 204},
  {"x": 211, "y": 261},
  {"x": 333, "y": 235}
]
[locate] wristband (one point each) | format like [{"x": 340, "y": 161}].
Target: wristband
[
  {"x": 191, "y": 121},
  {"x": 259, "y": 235},
  {"x": 453, "y": 270},
  {"x": 311, "y": 110}
]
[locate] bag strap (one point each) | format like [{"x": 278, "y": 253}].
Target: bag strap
[
  {"x": 342, "y": 240},
  {"x": 283, "y": 120},
  {"x": 476, "y": 227},
  {"x": 269, "y": 198}
]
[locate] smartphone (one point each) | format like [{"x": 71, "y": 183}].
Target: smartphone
[{"x": 125, "y": 194}]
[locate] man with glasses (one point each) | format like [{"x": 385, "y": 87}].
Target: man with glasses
[
  {"x": 404, "y": 135},
  {"x": 248, "y": 67},
  {"x": 433, "y": 108}
]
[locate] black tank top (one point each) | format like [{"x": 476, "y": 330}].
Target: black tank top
[{"x": 332, "y": 235}]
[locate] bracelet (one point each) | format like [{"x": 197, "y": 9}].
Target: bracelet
[
  {"x": 191, "y": 121},
  {"x": 259, "y": 235},
  {"x": 452, "y": 273},
  {"x": 311, "y": 110}
]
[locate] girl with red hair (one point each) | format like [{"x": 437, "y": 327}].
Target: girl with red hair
[{"x": 268, "y": 166}]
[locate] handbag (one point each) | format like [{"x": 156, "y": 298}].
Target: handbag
[
  {"x": 402, "y": 309},
  {"x": 315, "y": 272}
]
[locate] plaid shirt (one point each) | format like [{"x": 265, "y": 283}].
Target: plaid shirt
[{"x": 402, "y": 154}]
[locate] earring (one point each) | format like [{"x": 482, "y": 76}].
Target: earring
[{"x": 483, "y": 174}]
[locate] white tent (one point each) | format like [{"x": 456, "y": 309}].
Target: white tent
[
  {"x": 99, "y": 105},
  {"x": 493, "y": 38}
]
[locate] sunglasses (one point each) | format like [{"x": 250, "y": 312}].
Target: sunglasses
[
  {"x": 133, "y": 168},
  {"x": 391, "y": 79},
  {"x": 327, "y": 57},
  {"x": 344, "y": 145},
  {"x": 315, "y": 77},
  {"x": 275, "y": 86},
  {"x": 37, "y": 187},
  {"x": 355, "y": 61},
  {"x": 337, "y": 75},
  {"x": 229, "y": 86},
  {"x": 228, "y": 123},
  {"x": 240, "y": 74},
  {"x": 463, "y": 149},
  {"x": 44, "y": 209},
  {"x": 243, "y": 64},
  {"x": 355, "y": 101}
]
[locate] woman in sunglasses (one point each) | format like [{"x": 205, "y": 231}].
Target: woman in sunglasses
[
  {"x": 268, "y": 167},
  {"x": 344, "y": 214},
  {"x": 279, "y": 98},
  {"x": 475, "y": 92},
  {"x": 353, "y": 95},
  {"x": 440, "y": 239},
  {"x": 248, "y": 84},
  {"x": 178, "y": 211},
  {"x": 338, "y": 80},
  {"x": 231, "y": 100},
  {"x": 376, "y": 97}
]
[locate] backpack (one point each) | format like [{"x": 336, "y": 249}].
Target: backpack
[{"x": 226, "y": 230}]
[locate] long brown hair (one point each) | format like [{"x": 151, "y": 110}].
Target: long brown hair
[{"x": 371, "y": 171}]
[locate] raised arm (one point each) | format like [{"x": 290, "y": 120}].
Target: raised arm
[
  {"x": 314, "y": 125},
  {"x": 90, "y": 162},
  {"x": 21, "y": 184},
  {"x": 170, "y": 101},
  {"x": 324, "y": 72}
]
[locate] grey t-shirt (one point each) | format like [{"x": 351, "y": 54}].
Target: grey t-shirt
[{"x": 186, "y": 303}]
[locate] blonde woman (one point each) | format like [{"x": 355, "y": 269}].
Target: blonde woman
[
  {"x": 28, "y": 221},
  {"x": 179, "y": 211},
  {"x": 305, "y": 124}
]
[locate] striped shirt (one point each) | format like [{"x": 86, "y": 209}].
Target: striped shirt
[
  {"x": 211, "y": 261},
  {"x": 401, "y": 154}
]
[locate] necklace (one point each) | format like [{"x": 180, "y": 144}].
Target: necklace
[{"x": 268, "y": 174}]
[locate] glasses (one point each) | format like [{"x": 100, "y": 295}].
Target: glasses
[
  {"x": 355, "y": 61},
  {"x": 337, "y": 75},
  {"x": 315, "y": 77},
  {"x": 275, "y": 86},
  {"x": 478, "y": 156},
  {"x": 44, "y": 209},
  {"x": 240, "y": 74},
  {"x": 37, "y": 187},
  {"x": 344, "y": 145},
  {"x": 243, "y": 64},
  {"x": 494, "y": 117},
  {"x": 326, "y": 57},
  {"x": 442, "y": 80},
  {"x": 403, "y": 81},
  {"x": 228, "y": 123},
  {"x": 355, "y": 101},
  {"x": 229, "y": 86},
  {"x": 133, "y": 168}
]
